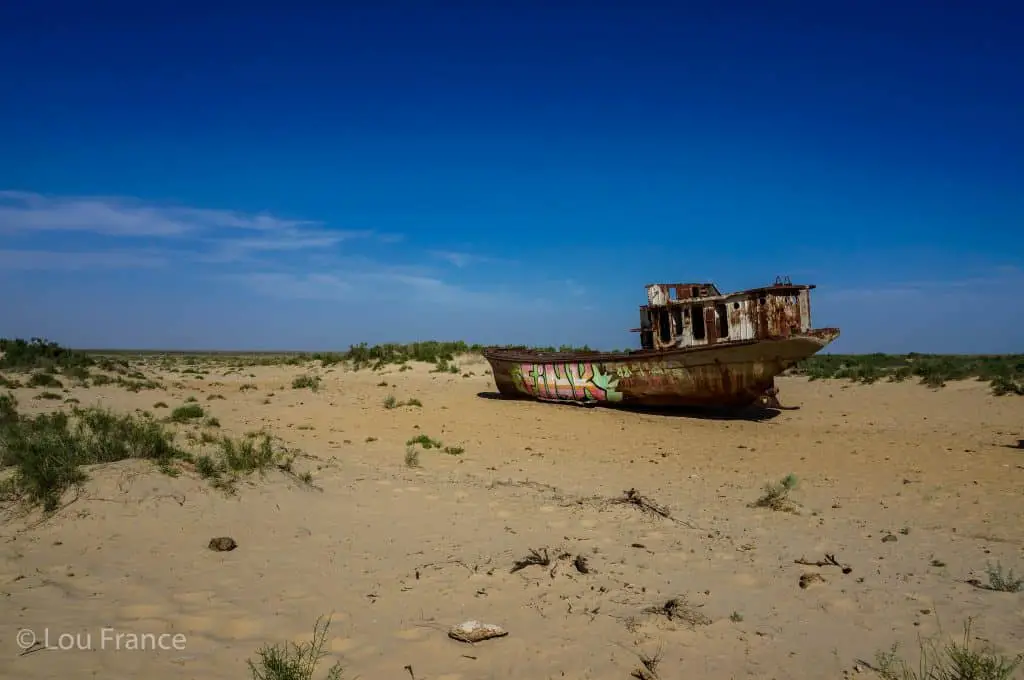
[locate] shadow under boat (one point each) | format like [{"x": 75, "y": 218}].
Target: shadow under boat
[{"x": 753, "y": 413}]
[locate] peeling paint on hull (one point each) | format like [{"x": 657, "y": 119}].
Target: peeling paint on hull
[{"x": 726, "y": 374}]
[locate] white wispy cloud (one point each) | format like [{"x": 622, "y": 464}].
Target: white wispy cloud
[
  {"x": 33, "y": 213},
  {"x": 381, "y": 284},
  {"x": 216, "y": 236},
  {"x": 574, "y": 288},
  {"x": 52, "y": 260},
  {"x": 401, "y": 287},
  {"x": 997, "y": 279},
  {"x": 456, "y": 258},
  {"x": 286, "y": 241},
  {"x": 461, "y": 259},
  {"x": 283, "y": 258},
  {"x": 22, "y": 211}
]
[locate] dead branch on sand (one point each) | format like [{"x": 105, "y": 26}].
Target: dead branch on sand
[
  {"x": 648, "y": 668},
  {"x": 829, "y": 561},
  {"x": 538, "y": 558},
  {"x": 678, "y": 609},
  {"x": 648, "y": 506}
]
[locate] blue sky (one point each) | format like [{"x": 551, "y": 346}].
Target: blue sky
[{"x": 311, "y": 175}]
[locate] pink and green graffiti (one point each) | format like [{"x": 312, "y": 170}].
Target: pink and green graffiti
[{"x": 576, "y": 381}]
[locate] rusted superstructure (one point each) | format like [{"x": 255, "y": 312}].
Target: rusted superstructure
[
  {"x": 698, "y": 347},
  {"x": 696, "y": 314}
]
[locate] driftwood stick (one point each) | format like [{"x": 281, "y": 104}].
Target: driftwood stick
[{"x": 829, "y": 561}]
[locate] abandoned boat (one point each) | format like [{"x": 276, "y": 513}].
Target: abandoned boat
[{"x": 699, "y": 347}]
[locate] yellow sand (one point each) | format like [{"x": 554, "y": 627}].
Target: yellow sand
[{"x": 930, "y": 467}]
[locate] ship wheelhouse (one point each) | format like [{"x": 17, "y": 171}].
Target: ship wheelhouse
[{"x": 679, "y": 315}]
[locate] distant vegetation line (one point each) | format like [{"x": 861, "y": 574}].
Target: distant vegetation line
[
  {"x": 1005, "y": 373},
  {"x": 456, "y": 347}
]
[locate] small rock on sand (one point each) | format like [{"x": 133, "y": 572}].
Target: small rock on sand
[
  {"x": 810, "y": 578},
  {"x": 474, "y": 631},
  {"x": 222, "y": 544}
]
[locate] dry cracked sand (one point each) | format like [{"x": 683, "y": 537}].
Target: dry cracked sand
[{"x": 916, "y": 490}]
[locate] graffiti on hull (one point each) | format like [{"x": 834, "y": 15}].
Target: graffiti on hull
[{"x": 575, "y": 381}]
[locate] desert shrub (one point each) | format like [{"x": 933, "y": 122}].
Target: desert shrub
[
  {"x": 328, "y": 358},
  {"x": 294, "y": 661},
  {"x": 424, "y": 441},
  {"x": 44, "y": 380},
  {"x": 77, "y": 372},
  {"x": 776, "y": 496},
  {"x": 187, "y": 412},
  {"x": 1005, "y": 373},
  {"x": 48, "y": 450},
  {"x": 1004, "y": 385},
  {"x": 40, "y": 353},
  {"x": 9, "y": 383},
  {"x": 243, "y": 455},
  {"x": 390, "y": 402},
  {"x": 952, "y": 661},
  {"x": 309, "y": 381},
  {"x": 1004, "y": 581},
  {"x": 430, "y": 352}
]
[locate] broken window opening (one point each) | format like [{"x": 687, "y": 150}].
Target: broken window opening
[
  {"x": 646, "y": 330},
  {"x": 699, "y": 332},
  {"x": 677, "y": 320},
  {"x": 722, "y": 318},
  {"x": 664, "y": 327}
]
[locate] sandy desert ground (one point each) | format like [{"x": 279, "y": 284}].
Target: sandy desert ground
[{"x": 916, "y": 490}]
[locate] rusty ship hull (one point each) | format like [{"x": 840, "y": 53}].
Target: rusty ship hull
[
  {"x": 727, "y": 375},
  {"x": 699, "y": 348}
]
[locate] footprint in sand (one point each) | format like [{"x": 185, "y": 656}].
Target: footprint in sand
[
  {"x": 412, "y": 634},
  {"x": 154, "y": 625},
  {"x": 200, "y": 597},
  {"x": 142, "y": 611},
  {"x": 339, "y": 645},
  {"x": 746, "y": 580},
  {"x": 196, "y": 624},
  {"x": 363, "y": 652},
  {"x": 242, "y": 628},
  {"x": 843, "y": 604},
  {"x": 290, "y": 594}
]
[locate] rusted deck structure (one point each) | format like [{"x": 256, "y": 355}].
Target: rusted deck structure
[{"x": 699, "y": 347}]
